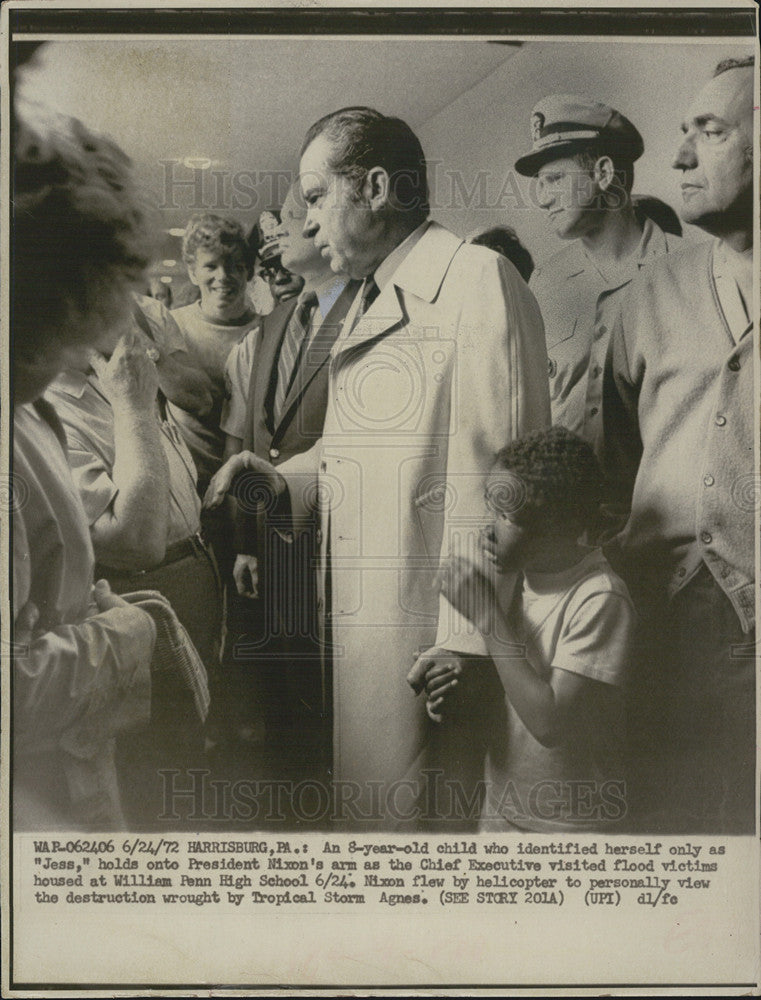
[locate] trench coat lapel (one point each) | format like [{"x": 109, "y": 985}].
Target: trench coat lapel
[{"x": 420, "y": 276}]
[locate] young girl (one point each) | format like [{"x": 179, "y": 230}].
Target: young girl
[{"x": 558, "y": 624}]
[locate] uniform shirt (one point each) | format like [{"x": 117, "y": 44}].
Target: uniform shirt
[
  {"x": 578, "y": 305},
  {"x": 241, "y": 359},
  {"x": 679, "y": 430},
  {"x": 88, "y": 420},
  {"x": 208, "y": 346},
  {"x": 580, "y": 620},
  {"x": 81, "y": 665}
]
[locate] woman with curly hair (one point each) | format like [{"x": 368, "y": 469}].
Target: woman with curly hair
[{"x": 82, "y": 655}]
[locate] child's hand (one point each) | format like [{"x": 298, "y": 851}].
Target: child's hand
[
  {"x": 468, "y": 585},
  {"x": 488, "y": 542},
  {"x": 440, "y": 684}
]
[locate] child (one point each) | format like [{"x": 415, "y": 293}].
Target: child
[{"x": 557, "y": 623}]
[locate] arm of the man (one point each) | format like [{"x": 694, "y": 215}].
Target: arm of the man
[
  {"x": 499, "y": 393},
  {"x": 289, "y": 488},
  {"x": 235, "y": 413},
  {"x": 233, "y": 446},
  {"x": 238, "y": 370},
  {"x": 129, "y": 532}
]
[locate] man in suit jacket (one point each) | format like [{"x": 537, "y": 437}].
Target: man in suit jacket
[
  {"x": 441, "y": 362},
  {"x": 284, "y": 366}
]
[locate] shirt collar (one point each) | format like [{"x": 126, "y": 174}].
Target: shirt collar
[
  {"x": 732, "y": 288},
  {"x": 652, "y": 243},
  {"x": 328, "y": 292},
  {"x": 725, "y": 258},
  {"x": 385, "y": 270}
]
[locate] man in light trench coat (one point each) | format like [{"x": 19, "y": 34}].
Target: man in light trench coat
[{"x": 441, "y": 361}]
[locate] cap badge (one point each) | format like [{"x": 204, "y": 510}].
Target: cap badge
[{"x": 537, "y": 124}]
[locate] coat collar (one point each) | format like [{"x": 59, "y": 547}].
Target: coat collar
[
  {"x": 420, "y": 275},
  {"x": 422, "y": 270}
]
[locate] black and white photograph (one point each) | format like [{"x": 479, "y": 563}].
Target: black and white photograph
[{"x": 380, "y": 497}]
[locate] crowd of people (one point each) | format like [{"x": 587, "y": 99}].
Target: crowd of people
[{"x": 470, "y": 539}]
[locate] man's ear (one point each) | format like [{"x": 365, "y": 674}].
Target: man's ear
[
  {"x": 192, "y": 274},
  {"x": 376, "y": 188},
  {"x": 604, "y": 172}
]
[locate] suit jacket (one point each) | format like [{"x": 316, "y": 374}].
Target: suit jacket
[
  {"x": 445, "y": 367},
  {"x": 303, "y": 414}
]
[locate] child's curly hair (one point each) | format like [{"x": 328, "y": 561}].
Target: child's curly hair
[
  {"x": 206, "y": 231},
  {"x": 552, "y": 475},
  {"x": 80, "y": 231}
]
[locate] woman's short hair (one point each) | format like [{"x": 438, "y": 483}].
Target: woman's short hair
[{"x": 80, "y": 236}]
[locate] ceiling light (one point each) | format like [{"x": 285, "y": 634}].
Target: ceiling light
[{"x": 197, "y": 162}]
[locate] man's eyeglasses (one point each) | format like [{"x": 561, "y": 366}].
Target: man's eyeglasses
[{"x": 272, "y": 268}]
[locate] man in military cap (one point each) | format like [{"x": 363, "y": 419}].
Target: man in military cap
[
  {"x": 582, "y": 157},
  {"x": 283, "y": 284}
]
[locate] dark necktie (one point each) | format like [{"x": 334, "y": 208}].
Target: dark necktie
[
  {"x": 370, "y": 293},
  {"x": 291, "y": 349}
]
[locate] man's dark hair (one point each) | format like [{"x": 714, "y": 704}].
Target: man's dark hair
[
  {"x": 553, "y": 478},
  {"x": 504, "y": 240},
  {"x": 362, "y": 138},
  {"x": 726, "y": 64}
]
